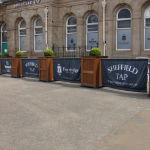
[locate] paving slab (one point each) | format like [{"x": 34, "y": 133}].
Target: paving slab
[
  {"x": 134, "y": 134},
  {"x": 64, "y": 116}
]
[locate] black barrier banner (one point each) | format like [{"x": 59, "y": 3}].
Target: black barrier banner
[
  {"x": 30, "y": 68},
  {"x": 67, "y": 69},
  {"x": 128, "y": 74},
  {"x": 6, "y": 66}
]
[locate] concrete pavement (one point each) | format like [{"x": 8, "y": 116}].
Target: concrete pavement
[{"x": 63, "y": 116}]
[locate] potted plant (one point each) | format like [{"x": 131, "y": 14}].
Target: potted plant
[
  {"x": 91, "y": 68},
  {"x": 16, "y": 69},
  {"x": 46, "y": 66},
  {"x": 5, "y": 55}
]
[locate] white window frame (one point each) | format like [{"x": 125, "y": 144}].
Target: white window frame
[
  {"x": 91, "y": 31},
  {"x": 36, "y": 27},
  {"x": 67, "y": 26},
  {"x": 123, "y": 19},
  {"x": 146, "y": 17},
  {"x": 19, "y": 29}
]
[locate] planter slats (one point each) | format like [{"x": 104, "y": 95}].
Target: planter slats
[
  {"x": 91, "y": 71},
  {"x": 46, "y": 69},
  {"x": 16, "y": 69}
]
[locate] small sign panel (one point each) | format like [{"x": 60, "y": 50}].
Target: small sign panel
[{"x": 27, "y": 3}]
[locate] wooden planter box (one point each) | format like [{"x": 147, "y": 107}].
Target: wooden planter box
[
  {"x": 16, "y": 68},
  {"x": 46, "y": 69},
  {"x": 91, "y": 71}
]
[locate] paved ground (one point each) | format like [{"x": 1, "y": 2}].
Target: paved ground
[{"x": 63, "y": 116}]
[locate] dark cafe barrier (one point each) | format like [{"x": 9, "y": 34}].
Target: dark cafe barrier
[
  {"x": 67, "y": 69},
  {"x": 5, "y": 65},
  {"x": 30, "y": 68},
  {"x": 128, "y": 74}
]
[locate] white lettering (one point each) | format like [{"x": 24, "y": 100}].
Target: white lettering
[
  {"x": 27, "y": 3},
  {"x": 122, "y": 67}
]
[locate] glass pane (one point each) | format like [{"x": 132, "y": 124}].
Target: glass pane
[
  {"x": 124, "y": 13},
  {"x": 124, "y": 24},
  {"x": 38, "y": 22},
  {"x": 124, "y": 39},
  {"x": 148, "y": 22},
  {"x": 72, "y": 29},
  {"x": 38, "y": 42},
  {"x": 38, "y": 30},
  {"x": 147, "y": 38},
  {"x": 23, "y": 43},
  {"x": 92, "y": 27},
  {"x": 93, "y": 19},
  {"x": 4, "y": 36},
  {"x": 92, "y": 40},
  {"x": 147, "y": 13},
  {"x": 23, "y": 32},
  {"x": 72, "y": 21},
  {"x": 4, "y": 28},
  {"x": 23, "y": 24},
  {"x": 71, "y": 41}
]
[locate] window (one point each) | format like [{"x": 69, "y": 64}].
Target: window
[
  {"x": 92, "y": 32},
  {"x": 71, "y": 33},
  {"x": 123, "y": 30},
  {"x": 22, "y": 35},
  {"x": 4, "y": 33},
  {"x": 147, "y": 29},
  {"x": 38, "y": 35},
  {"x": 4, "y": 47}
]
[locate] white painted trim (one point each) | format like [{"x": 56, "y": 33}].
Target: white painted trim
[
  {"x": 35, "y": 27},
  {"x": 123, "y": 19},
  {"x": 91, "y": 31},
  {"x": 123, "y": 50},
  {"x": 104, "y": 3},
  {"x": 145, "y": 29},
  {"x": 70, "y": 33},
  {"x": 19, "y": 28}
]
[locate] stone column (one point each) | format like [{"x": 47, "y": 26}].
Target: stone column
[
  {"x": 80, "y": 32},
  {"x": 136, "y": 37},
  {"x": 11, "y": 41}
]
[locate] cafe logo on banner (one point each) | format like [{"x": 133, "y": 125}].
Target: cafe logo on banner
[
  {"x": 32, "y": 66},
  {"x": 27, "y": 3},
  {"x": 61, "y": 69},
  {"x": 7, "y": 66},
  {"x": 125, "y": 68}
]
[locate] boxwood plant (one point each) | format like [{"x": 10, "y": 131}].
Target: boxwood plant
[
  {"x": 49, "y": 52},
  {"x": 19, "y": 53},
  {"x": 6, "y": 54},
  {"x": 95, "y": 52}
]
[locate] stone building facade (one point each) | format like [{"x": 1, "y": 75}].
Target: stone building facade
[{"x": 121, "y": 29}]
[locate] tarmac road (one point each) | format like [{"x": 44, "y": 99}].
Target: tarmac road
[{"x": 63, "y": 116}]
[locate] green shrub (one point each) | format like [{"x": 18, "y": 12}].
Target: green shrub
[
  {"x": 6, "y": 54},
  {"x": 19, "y": 53},
  {"x": 0, "y": 54},
  {"x": 49, "y": 52},
  {"x": 95, "y": 52}
]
